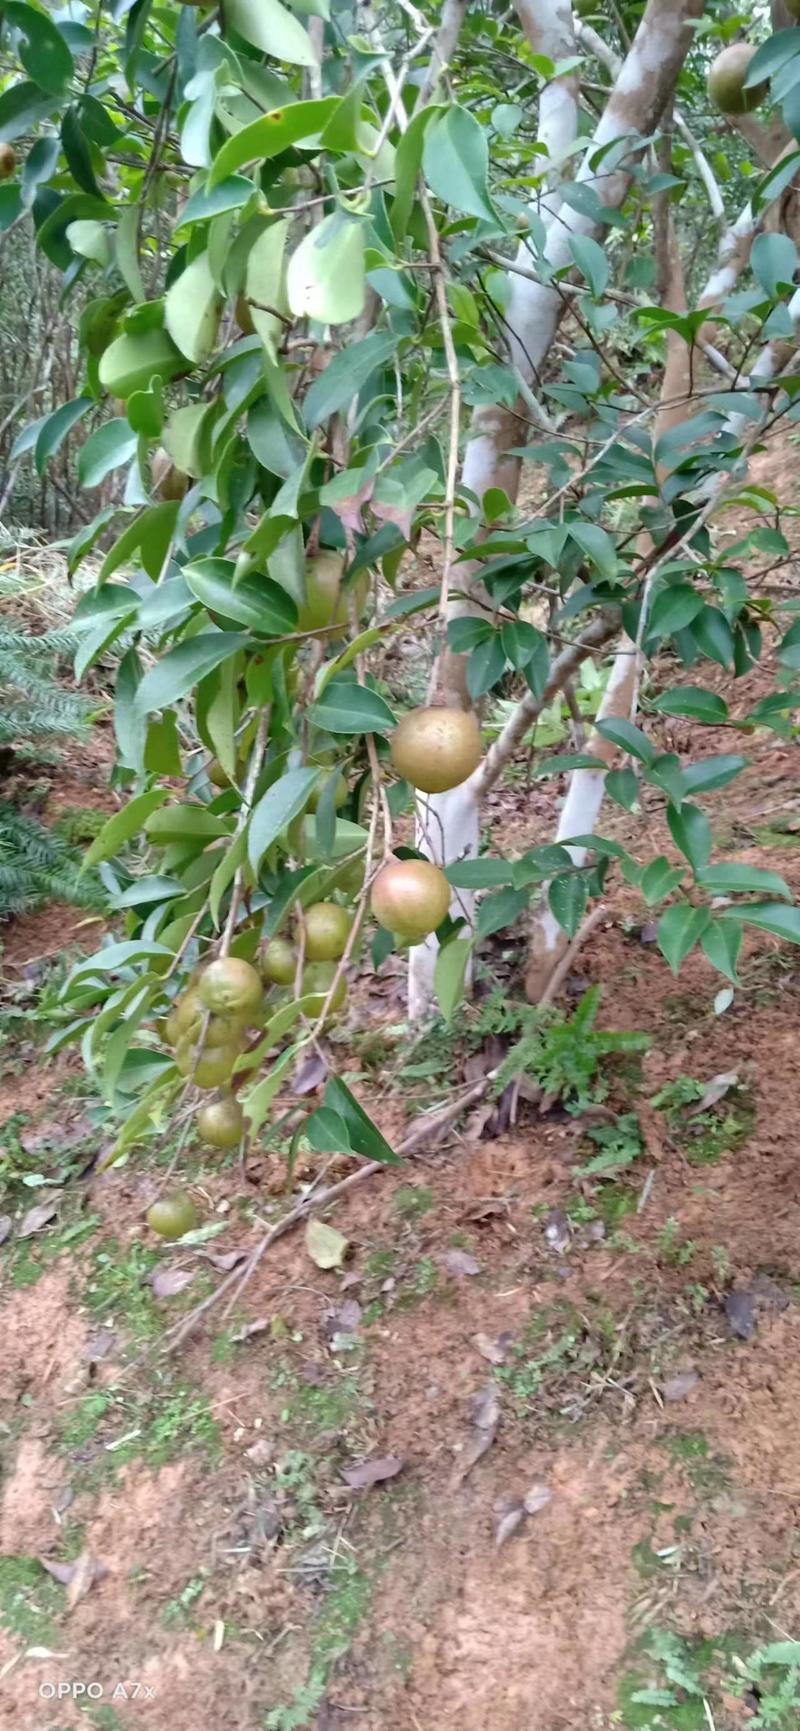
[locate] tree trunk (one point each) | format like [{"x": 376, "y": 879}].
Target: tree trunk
[{"x": 638, "y": 99}]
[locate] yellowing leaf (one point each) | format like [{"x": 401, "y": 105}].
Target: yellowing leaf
[
  {"x": 326, "y": 1247},
  {"x": 191, "y": 310},
  {"x": 325, "y": 279}
]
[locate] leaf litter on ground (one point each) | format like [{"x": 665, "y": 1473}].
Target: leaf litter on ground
[
  {"x": 510, "y": 1511},
  {"x": 372, "y": 1472},
  {"x": 78, "y": 1577},
  {"x": 485, "y": 1421}
]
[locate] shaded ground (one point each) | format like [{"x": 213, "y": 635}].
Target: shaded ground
[{"x": 617, "y": 1288}]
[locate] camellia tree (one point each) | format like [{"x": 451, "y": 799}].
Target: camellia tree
[{"x": 346, "y": 274}]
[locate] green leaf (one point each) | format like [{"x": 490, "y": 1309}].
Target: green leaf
[
  {"x": 346, "y": 707},
  {"x": 568, "y": 896},
  {"x": 229, "y": 194},
  {"x": 407, "y": 164},
  {"x": 149, "y": 535},
  {"x": 486, "y": 665},
  {"x": 567, "y": 761},
  {"x": 628, "y": 737},
  {"x": 115, "y": 956},
  {"x": 713, "y": 635},
  {"x": 76, "y": 149},
  {"x": 42, "y": 48},
  {"x": 255, "y": 601},
  {"x": 500, "y": 910},
  {"x": 721, "y": 942},
  {"x": 455, "y": 162},
  {"x": 712, "y": 773},
  {"x": 659, "y": 879},
  {"x": 325, "y": 277},
  {"x": 774, "y": 262},
  {"x": 225, "y": 872},
  {"x": 344, "y": 376},
  {"x": 130, "y": 727},
  {"x": 691, "y": 832},
  {"x": 270, "y": 27},
  {"x": 22, "y": 107},
  {"x": 256, "y": 1104},
  {"x": 183, "y": 823},
  {"x": 597, "y": 544},
  {"x": 733, "y": 876},
  {"x": 449, "y": 975},
  {"x": 772, "y": 917},
  {"x": 54, "y": 429},
  {"x": 623, "y": 787},
  {"x": 363, "y": 1137},
  {"x": 674, "y": 608},
  {"x": 271, "y": 135},
  {"x": 679, "y": 928},
  {"x": 478, "y": 874},
  {"x": 183, "y": 666},
  {"x": 191, "y": 310},
  {"x": 694, "y": 701},
  {"x": 126, "y": 251},
  {"x": 278, "y": 807},
  {"x": 592, "y": 262},
  {"x": 124, "y": 824},
  {"x": 107, "y": 448}
]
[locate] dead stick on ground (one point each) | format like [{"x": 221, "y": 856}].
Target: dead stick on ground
[{"x": 429, "y": 1125}]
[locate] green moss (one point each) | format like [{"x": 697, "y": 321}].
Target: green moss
[
  {"x": 412, "y": 1201},
  {"x": 30, "y": 1601}
]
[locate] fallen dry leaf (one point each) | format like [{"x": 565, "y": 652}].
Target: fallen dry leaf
[
  {"x": 715, "y": 1091},
  {"x": 99, "y": 1344},
  {"x": 78, "y": 1577},
  {"x": 261, "y": 1453},
  {"x": 740, "y": 1310},
  {"x": 511, "y": 1511},
  {"x": 249, "y": 1329},
  {"x": 485, "y": 1420},
  {"x": 493, "y": 1349},
  {"x": 309, "y": 1074},
  {"x": 679, "y": 1386},
  {"x": 326, "y": 1247},
  {"x": 460, "y": 1262},
  {"x": 372, "y": 1472},
  {"x": 345, "y": 1319},
  {"x": 168, "y": 1282},
  {"x": 224, "y": 1260},
  {"x": 40, "y": 1216}
]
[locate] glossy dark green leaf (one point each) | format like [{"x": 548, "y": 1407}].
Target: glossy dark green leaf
[
  {"x": 278, "y": 807},
  {"x": 693, "y": 701},
  {"x": 712, "y": 773},
  {"x": 478, "y": 874},
  {"x": 721, "y": 942},
  {"x": 346, "y": 707},
  {"x": 567, "y": 897},
  {"x": 732, "y": 877},
  {"x": 22, "y": 107},
  {"x": 42, "y": 48},
  {"x": 54, "y": 429},
  {"x": 181, "y": 668},
  {"x": 691, "y": 832},
  {"x": 455, "y": 162},
  {"x": 107, "y": 448},
  {"x": 344, "y": 376},
  {"x": 255, "y": 601},
  {"x": 449, "y": 975},
  {"x": 496, "y": 912},
  {"x": 628, "y": 737},
  {"x": 679, "y": 929},
  {"x": 363, "y": 1137}
]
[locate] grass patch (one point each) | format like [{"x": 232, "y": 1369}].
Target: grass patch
[{"x": 30, "y": 1602}]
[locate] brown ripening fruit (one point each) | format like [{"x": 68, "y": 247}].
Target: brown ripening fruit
[
  {"x": 173, "y": 1215},
  {"x": 436, "y": 749},
  {"x": 8, "y": 161},
  {"x": 411, "y": 898},
  {"x": 221, "y": 1122},
  {"x": 317, "y": 981},
  {"x": 230, "y": 986},
  {"x": 327, "y": 928},
  {"x": 167, "y": 481},
  {"x": 726, "y": 80},
  {"x": 278, "y": 962}
]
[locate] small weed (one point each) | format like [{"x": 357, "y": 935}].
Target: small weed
[
  {"x": 176, "y": 1613},
  {"x": 115, "y": 1425},
  {"x": 707, "y": 1473},
  {"x": 563, "y": 1360},
  {"x": 117, "y": 1288},
  {"x": 565, "y": 1055},
  {"x": 676, "y": 1684},
  {"x": 30, "y": 1602},
  {"x": 672, "y": 1248},
  {"x": 705, "y": 1137},
  {"x": 412, "y": 1201}
]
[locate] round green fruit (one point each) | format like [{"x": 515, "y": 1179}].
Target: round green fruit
[
  {"x": 327, "y": 602},
  {"x": 278, "y": 962},
  {"x": 317, "y": 980},
  {"x": 327, "y": 929},
  {"x": 726, "y": 87},
  {"x": 340, "y": 795},
  {"x": 436, "y": 749},
  {"x": 187, "y": 1013},
  {"x": 221, "y": 1122},
  {"x": 410, "y": 897},
  {"x": 230, "y": 986},
  {"x": 173, "y": 1215},
  {"x": 207, "y": 1069}
]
